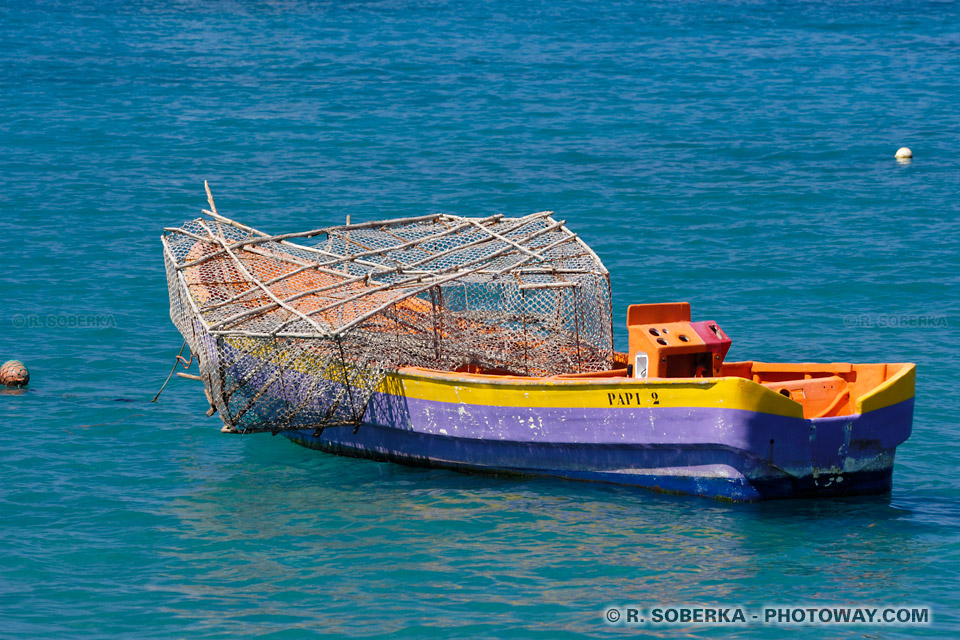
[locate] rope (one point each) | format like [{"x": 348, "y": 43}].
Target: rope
[{"x": 178, "y": 360}]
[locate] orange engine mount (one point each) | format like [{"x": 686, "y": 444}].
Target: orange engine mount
[{"x": 665, "y": 344}]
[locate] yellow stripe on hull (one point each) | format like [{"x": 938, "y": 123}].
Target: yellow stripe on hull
[
  {"x": 726, "y": 393},
  {"x": 621, "y": 393}
]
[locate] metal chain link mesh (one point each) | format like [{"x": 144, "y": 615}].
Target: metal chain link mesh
[{"x": 300, "y": 336}]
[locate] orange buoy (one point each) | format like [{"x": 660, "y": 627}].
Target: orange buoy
[{"x": 13, "y": 373}]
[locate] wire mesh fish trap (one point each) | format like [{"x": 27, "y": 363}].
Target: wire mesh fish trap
[{"x": 301, "y": 335}]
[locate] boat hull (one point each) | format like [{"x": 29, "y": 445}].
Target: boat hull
[{"x": 723, "y": 438}]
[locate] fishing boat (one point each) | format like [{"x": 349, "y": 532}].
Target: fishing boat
[{"x": 486, "y": 345}]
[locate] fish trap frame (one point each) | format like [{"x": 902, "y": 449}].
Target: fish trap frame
[{"x": 294, "y": 336}]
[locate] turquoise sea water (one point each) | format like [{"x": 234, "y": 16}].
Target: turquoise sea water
[{"x": 737, "y": 155}]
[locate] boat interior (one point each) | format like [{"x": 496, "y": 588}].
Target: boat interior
[
  {"x": 822, "y": 389},
  {"x": 665, "y": 344}
]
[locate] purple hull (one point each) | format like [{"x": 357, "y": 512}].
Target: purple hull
[{"x": 725, "y": 453}]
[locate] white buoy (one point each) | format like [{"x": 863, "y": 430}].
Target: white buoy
[{"x": 904, "y": 153}]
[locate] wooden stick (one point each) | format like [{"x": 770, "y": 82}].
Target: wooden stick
[
  {"x": 243, "y": 270},
  {"x": 213, "y": 207},
  {"x": 338, "y": 257},
  {"x": 513, "y": 268},
  {"x": 471, "y": 244},
  {"x": 301, "y": 269},
  {"x": 440, "y": 276},
  {"x": 589, "y": 251},
  {"x": 322, "y": 230},
  {"x": 412, "y": 283},
  {"x": 459, "y": 272},
  {"x": 266, "y": 308},
  {"x": 548, "y": 285},
  {"x": 305, "y": 265},
  {"x": 191, "y": 234},
  {"x": 270, "y": 307},
  {"x": 496, "y": 235}
]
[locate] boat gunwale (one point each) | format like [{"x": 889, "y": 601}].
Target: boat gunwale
[
  {"x": 483, "y": 379},
  {"x": 733, "y": 391}
]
